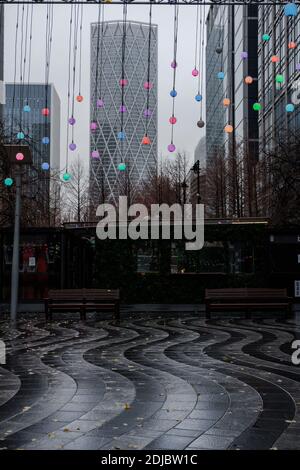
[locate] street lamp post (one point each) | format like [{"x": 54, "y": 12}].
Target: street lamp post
[
  {"x": 196, "y": 170},
  {"x": 184, "y": 187},
  {"x": 16, "y": 245},
  {"x": 18, "y": 155}
]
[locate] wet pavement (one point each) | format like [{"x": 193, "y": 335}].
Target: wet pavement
[{"x": 158, "y": 381}]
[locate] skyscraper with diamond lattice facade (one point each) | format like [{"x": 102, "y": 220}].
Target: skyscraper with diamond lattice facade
[{"x": 107, "y": 182}]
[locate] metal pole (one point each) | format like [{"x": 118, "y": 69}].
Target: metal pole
[
  {"x": 198, "y": 183},
  {"x": 16, "y": 246}
]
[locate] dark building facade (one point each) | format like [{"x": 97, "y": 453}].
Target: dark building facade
[{"x": 231, "y": 56}]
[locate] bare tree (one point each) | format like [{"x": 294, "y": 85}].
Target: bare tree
[{"x": 75, "y": 196}]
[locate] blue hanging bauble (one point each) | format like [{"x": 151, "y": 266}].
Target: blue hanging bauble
[
  {"x": 121, "y": 135},
  {"x": 290, "y": 9}
]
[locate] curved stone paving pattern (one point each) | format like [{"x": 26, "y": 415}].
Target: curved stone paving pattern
[{"x": 159, "y": 381}]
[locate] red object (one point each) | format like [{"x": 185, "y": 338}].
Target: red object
[
  {"x": 146, "y": 140},
  {"x": 148, "y": 85},
  {"x": 292, "y": 45},
  {"x": 172, "y": 120},
  {"x": 123, "y": 82},
  {"x": 45, "y": 112},
  {"x": 274, "y": 58},
  {"x": 79, "y": 98}
]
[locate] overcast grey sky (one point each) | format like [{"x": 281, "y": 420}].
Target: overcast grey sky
[{"x": 187, "y": 134}]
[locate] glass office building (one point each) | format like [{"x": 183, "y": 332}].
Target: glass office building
[
  {"x": 41, "y": 133},
  {"x": 275, "y": 123},
  {"x": 231, "y": 55},
  {"x": 106, "y": 180}
]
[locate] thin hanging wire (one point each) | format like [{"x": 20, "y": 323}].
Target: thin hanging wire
[
  {"x": 200, "y": 52},
  {"x": 123, "y": 77},
  {"x": 75, "y": 37},
  {"x": 95, "y": 97},
  {"x": 148, "y": 69},
  {"x": 196, "y": 37},
  {"x": 80, "y": 49},
  {"x": 201, "y": 65},
  {"x": 15, "y": 71},
  {"x": 176, "y": 11},
  {"x": 69, "y": 85},
  {"x": 49, "y": 28},
  {"x": 101, "y": 52},
  {"x": 29, "y": 53},
  {"x": 22, "y": 54}
]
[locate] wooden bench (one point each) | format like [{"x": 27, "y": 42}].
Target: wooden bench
[
  {"x": 82, "y": 300},
  {"x": 247, "y": 299}
]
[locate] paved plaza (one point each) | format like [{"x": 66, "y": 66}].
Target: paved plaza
[{"x": 158, "y": 381}]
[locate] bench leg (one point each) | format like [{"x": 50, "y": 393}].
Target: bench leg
[
  {"x": 208, "y": 313},
  {"x": 248, "y": 314},
  {"x": 117, "y": 312},
  {"x": 82, "y": 314},
  {"x": 49, "y": 315}
]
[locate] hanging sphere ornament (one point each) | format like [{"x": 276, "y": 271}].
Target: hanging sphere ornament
[
  {"x": 248, "y": 80},
  {"x": 122, "y": 108},
  {"x": 95, "y": 154},
  {"x": 174, "y": 64},
  {"x": 147, "y": 113},
  {"x": 27, "y": 108},
  {"x": 123, "y": 82},
  {"x": 79, "y": 98},
  {"x": 228, "y": 128},
  {"x": 219, "y": 49},
  {"x": 71, "y": 121},
  {"x": 72, "y": 146},
  {"x": 172, "y": 120},
  {"x": 290, "y": 9},
  {"x": 45, "y": 166},
  {"x": 274, "y": 59},
  {"x": 198, "y": 97},
  {"x": 45, "y": 140},
  {"x": 20, "y": 135},
  {"x": 148, "y": 85},
  {"x": 221, "y": 75},
  {"x": 266, "y": 37},
  {"x": 122, "y": 166},
  {"x": 171, "y": 148},
  {"x": 279, "y": 78},
  {"x": 146, "y": 140},
  {"x": 20, "y": 156},
  {"x": 256, "y": 106},
  {"x": 8, "y": 181},
  {"x": 93, "y": 126},
  {"x": 173, "y": 93},
  {"x": 195, "y": 73},
  {"x": 290, "y": 108},
  {"x": 100, "y": 103},
  {"x": 292, "y": 45},
  {"x": 200, "y": 123},
  {"x": 244, "y": 55},
  {"x": 66, "y": 176},
  {"x": 226, "y": 101},
  {"x": 45, "y": 112},
  {"x": 121, "y": 135}
]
